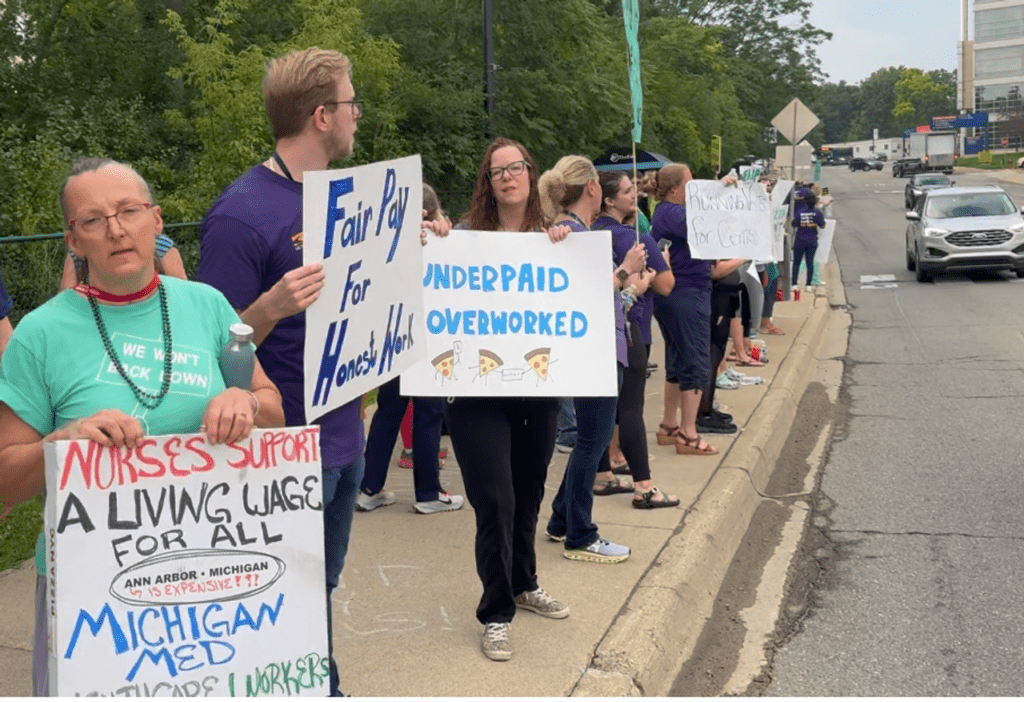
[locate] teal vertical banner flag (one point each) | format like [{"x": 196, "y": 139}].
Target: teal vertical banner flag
[{"x": 631, "y": 18}]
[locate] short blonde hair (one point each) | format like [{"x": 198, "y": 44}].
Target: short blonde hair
[
  {"x": 297, "y": 83},
  {"x": 563, "y": 185}
]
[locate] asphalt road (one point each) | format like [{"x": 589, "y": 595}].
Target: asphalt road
[{"x": 919, "y": 522}]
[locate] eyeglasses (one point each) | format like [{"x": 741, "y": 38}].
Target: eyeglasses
[
  {"x": 514, "y": 169},
  {"x": 357, "y": 107},
  {"x": 127, "y": 216}
]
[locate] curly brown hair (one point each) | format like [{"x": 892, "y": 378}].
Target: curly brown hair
[{"x": 482, "y": 214}]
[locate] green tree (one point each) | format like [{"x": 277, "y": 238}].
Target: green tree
[
  {"x": 836, "y": 104},
  {"x": 877, "y": 100},
  {"x": 919, "y": 96}
]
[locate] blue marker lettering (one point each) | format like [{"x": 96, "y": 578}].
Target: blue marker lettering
[
  {"x": 526, "y": 277},
  {"x": 490, "y": 275},
  {"x": 335, "y": 214},
  {"x": 530, "y": 325},
  {"x": 579, "y": 324},
  {"x": 435, "y": 322},
  {"x": 559, "y": 280},
  {"x": 329, "y": 362}
]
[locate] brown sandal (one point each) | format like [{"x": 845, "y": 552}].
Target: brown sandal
[
  {"x": 694, "y": 447},
  {"x": 667, "y": 435}
]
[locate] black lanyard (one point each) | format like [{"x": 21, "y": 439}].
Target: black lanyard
[
  {"x": 284, "y": 168},
  {"x": 576, "y": 218}
]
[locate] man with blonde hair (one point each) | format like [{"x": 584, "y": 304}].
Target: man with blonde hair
[{"x": 251, "y": 250}]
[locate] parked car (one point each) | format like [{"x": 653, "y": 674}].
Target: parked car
[
  {"x": 881, "y": 157},
  {"x": 905, "y": 166},
  {"x": 865, "y": 164},
  {"x": 964, "y": 228},
  {"x": 919, "y": 182}
]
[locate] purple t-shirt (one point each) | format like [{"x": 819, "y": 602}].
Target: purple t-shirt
[
  {"x": 669, "y": 222},
  {"x": 621, "y": 346},
  {"x": 802, "y": 214},
  {"x": 623, "y": 239},
  {"x": 6, "y": 304},
  {"x": 249, "y": 239}
]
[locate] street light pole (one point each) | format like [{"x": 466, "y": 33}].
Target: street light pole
[{"x": 489, "y": 67}]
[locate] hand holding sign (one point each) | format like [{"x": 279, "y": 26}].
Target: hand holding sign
[
  {"x": 635, "y": 259},
  {"x": 107, "y": 427},
  {"x": 298, "y": 289}
]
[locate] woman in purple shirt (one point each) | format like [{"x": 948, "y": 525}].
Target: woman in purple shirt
[
  {"x": 684, "y": 317},
  {"x": 571, "y": 195},
  {"x": 618, "y": 202}
]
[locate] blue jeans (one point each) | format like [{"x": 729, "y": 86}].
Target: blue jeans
[
  {"x": 427, "y": 414},
  {"x": 804, "y": 250},
  {"x": 573, "y": 504},
  {"x": 340, "y": 483},
  {"x": 566, "y": 423}
]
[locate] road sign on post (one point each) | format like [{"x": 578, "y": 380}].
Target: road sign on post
[{"x": 794, "y": 122}]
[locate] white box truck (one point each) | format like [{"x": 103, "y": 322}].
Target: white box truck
[{"x": 937, "y": 150}]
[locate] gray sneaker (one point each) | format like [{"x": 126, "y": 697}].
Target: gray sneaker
[
  {"x": 542, "y": 603},
  {"x": 495, "y": 644},
  {"x": 601, "y": 551},
  {"x": 443, "y": 503},
  {"x": 368, "y": 503}
]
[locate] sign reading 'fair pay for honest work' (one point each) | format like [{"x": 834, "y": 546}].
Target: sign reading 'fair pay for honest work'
[
  {"x": 180, "y": 568},
  {"x": 510, "y": 313},
  {"x": 726, "y": 221},
  {"x": 363, "y": 224}
]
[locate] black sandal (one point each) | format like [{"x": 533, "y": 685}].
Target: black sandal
[
  {"x": 611, "y": 487},
  {"x": 646, "y": 500}
]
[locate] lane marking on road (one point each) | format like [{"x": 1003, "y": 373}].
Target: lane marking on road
[{"x": 885, "y": 281}]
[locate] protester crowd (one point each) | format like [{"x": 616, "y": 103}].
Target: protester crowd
[{"x": 122, "y": 273}]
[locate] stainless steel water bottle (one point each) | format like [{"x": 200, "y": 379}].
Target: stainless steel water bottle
[{"x": 238, "y": 358}]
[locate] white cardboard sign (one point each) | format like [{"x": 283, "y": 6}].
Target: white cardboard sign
[
  {"x": 512, "y": 314},
  {"x": 363, "y": 224},
  {"x": 725, "y": 221},
  {"x": 180, "y": 568},
  {"x": 825, "y": 237}
]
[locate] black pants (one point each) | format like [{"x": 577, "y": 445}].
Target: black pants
[
  {"x": 503, "y": 446},
  {"x": 632, "y": 431},
  {"x": 725, "y": 300}
]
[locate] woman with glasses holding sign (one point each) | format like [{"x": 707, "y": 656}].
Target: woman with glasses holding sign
[
  {"x": 504, "y": 444},
  {"x": 102, "y": 361}
]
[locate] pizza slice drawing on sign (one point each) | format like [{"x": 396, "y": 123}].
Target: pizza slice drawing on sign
[
  {"x": 444, "y": 364},
  {"x": 489, "y": 362},
  {"x": 539, "y": 359}
]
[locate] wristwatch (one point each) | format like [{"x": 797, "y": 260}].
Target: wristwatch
[{"x": 621, "y": 274}]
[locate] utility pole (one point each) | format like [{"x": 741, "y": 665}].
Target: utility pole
[{"x": 489, "y": 67}]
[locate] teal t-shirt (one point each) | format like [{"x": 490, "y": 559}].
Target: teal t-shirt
[{"x": 55, "y": 369}]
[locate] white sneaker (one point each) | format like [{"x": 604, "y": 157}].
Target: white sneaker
[
  {"x": 542, "y": 603},
  {"x": 724, "y": 382},
  {"x": 443, "y": 503},
  {"x": 368, "y": 503},
  {"x": 736, "y": 375},
  {"x": 495, "y": 643},
  {"x": 809, "y": 288}
]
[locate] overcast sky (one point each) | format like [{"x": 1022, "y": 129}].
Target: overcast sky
[{"x": 872, "y": 34}]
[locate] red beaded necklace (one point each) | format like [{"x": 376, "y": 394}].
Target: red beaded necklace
[{"x": 104, "y": 296}]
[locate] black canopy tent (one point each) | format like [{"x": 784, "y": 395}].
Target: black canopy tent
[{"x": 620, "y": 158}]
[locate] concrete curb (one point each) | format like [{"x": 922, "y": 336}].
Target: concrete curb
[{"x": 659, "y": 625}]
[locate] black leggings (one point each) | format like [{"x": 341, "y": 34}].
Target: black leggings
[
  {"x": 724, "y": 303},
  {"x": 503, "y": 446},
  {"x": 632, "y": 431}
]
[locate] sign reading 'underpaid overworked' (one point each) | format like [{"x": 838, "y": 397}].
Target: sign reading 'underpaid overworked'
[
  {"x": 513, "y": 314},
  {"x": 181, "y": 568}
]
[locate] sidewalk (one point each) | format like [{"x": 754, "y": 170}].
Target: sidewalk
[{"x": 404, "y": 619}]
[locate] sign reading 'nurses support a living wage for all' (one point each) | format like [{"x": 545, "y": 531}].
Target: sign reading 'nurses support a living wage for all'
[
  {"x": 512, "y": 314},
  {"x": 183, "y": 569},
  {"x": 363, "y": 224}
]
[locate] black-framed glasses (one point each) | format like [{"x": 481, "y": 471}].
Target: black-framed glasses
[
  {"x": 514, "y": 169},
  {"x": 357, "y": 106},
  {"x": 128, "y": 216}
]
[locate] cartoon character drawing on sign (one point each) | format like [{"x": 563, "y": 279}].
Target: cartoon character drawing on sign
[
  {"x": 540, "y": 360},
  {"x": 445, "y": 363},
  {"x": 489, "y": 362}
]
